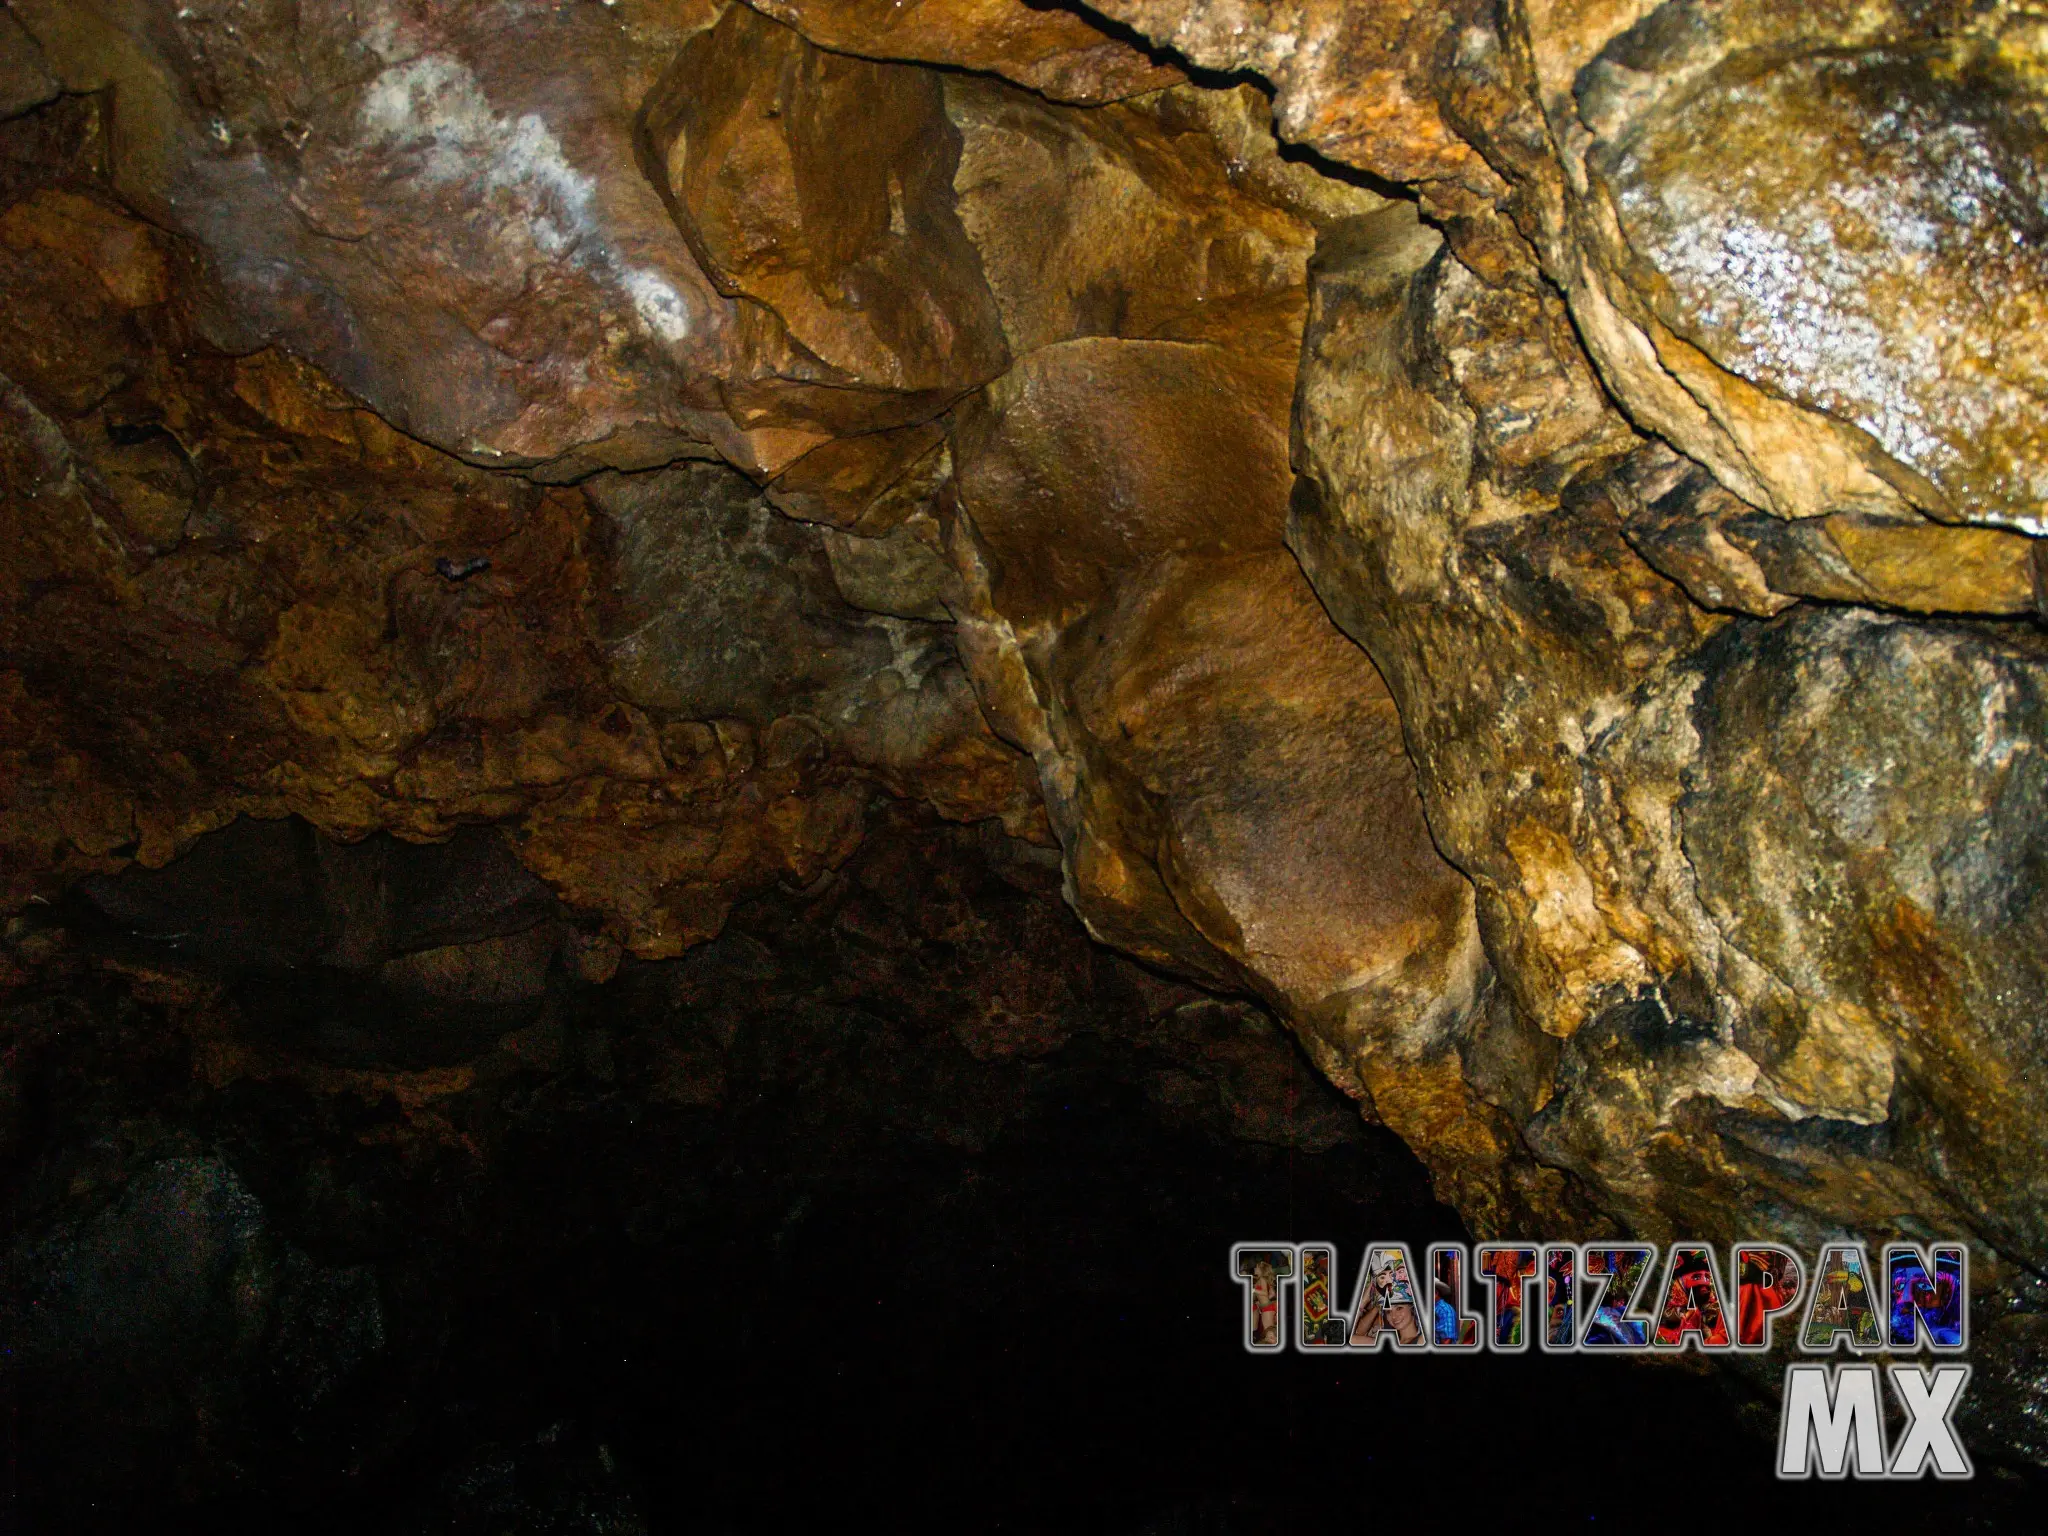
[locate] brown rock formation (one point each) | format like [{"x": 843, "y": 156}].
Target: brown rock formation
[
  {"x": 387, "y": 637},
  {"x": 821, "y": 188},
  {"x": 1053, "y": 52},
  {"x": 1532, "y": 572}
]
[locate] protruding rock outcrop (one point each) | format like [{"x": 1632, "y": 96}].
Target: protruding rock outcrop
[{"x": 1511, "y": 534}]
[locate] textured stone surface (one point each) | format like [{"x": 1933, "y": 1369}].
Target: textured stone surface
[
  {"x": 1222, "y": 766},
  {"x": 1095, "y": 457},
  {"x": 821, "y": 187},
  {"x": 1352, "y": 78},
  {"x": 390, "y": 638},
  {"x": 1864, "y": 822},
  {"x": 1053, "y": 52},
  {"x": 1532, "y": 572},
  {"x": 1242, "y": 809},
  {"x": 1726, "y": 911},
  {"x": 1170, "y": 219},
  {"x": 25, "y": 79},
  {"x": 439, "y": 207},
  {"x": 178, "y": 1287},
  {"x": 1880, "y": 258}
]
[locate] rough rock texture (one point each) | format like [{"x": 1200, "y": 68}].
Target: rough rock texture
[
  {"x": 387, "y": 637},
  {"x": 1880, "y": 261},
  {"x": 1745, "y": 867},
  {"x": 821, "y": 188},
  {"x": 1533, "y": 573},
  {"x": 440, "y": 207},
  {"x": 1054, "y": 52},
  {"x": 1223, "y": 768},
  {"x": 1351, "y": 78}
]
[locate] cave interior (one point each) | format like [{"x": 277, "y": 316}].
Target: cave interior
[{"x": 725, "y": 727}]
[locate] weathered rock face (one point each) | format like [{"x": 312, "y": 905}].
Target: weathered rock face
[
  {"x": 1724, "y": 867},
  {"x": 440, "y": 209},
  {"x": 1353, "y": 79},
  {"x": 1880, "y": 262},
  {"x": 386, "y": 637},
  {"x": 1863, "y": 820},
  {"x": 820, "y": 187},
  {"x": 1223, "y": 768},
  {"x": 1055, "y": 53},
  {"x": 1533, "y": 573}
]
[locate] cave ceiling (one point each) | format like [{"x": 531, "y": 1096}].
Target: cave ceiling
[{"x": 1509, "y": 534}]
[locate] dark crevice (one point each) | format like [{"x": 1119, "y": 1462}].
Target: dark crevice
[{"x": 1157, "y": 53}]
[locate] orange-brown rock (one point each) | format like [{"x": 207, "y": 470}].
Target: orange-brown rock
[
  {"x": 1133, "y": 221},
  {"x": 1224, "y": 769},
  {"x": 473, "y": 247},
  {"x": 1353, "y": 79},
  {"x": 868, "y": 483},
  {"x": 442, "y": 210},
  {"x": 1053, "y": 52},
  {"x": 385, "y": 637},
  {"x": 1244, "y": 808},
  {"x": 1092, "y": 458},
  {"x": 1729, "y": 556},
  {"x": 821, "y": 187},
  {"x": 655, "y": 427},
  {"x": 1641, "y": 790}
]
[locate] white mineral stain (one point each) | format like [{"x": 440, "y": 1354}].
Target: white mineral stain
[
  {"x": 1847, "y": 271},
  {"x": 664, "y": 310},
  {"x": 433, "y": 106}
]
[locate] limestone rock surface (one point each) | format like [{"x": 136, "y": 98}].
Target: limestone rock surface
[
  {"x": 821, "y": 188},
  {"x": 1645, "y": 588},
  {"x": 1053, "y": 52},
  {"x": 1510, "y": 534}
]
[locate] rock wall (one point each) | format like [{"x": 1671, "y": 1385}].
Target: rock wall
[{"x": 1507, "y": 532}]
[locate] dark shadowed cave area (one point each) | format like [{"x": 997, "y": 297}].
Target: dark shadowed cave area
[
  {"x": 727, "y": 725},
  {"x": 901, "y": 1203}
]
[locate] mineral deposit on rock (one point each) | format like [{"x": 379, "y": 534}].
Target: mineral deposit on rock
[{"x": 1507, "y": 534}]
